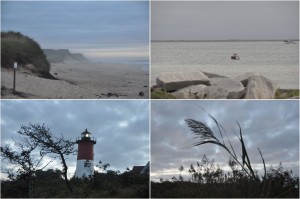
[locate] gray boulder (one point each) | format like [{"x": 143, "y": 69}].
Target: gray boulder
[
  {"x": 212, "y": 92},
  {"x": 234, "y": 88},
  {"x": 189, "y": 92},
  {"x": 244, "y": 78},
  {"x": 173, "y": 82},
  {"x": 259, "y": 87},
  {"x": 212, "y": 75}
]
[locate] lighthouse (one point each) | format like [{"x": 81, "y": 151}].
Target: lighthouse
[{"x": 85, "y": 156}]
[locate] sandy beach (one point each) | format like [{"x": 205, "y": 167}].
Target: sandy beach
[{"x": 76, "y": 80}]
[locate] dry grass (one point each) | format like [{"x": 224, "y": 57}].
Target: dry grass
[{"x": 205, "y": 135}]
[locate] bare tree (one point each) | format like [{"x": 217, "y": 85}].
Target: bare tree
[
  {"x": 23, "y": 156},
  {"x": 48, "y": 143}
]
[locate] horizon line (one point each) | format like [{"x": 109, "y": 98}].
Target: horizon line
[{"x": 218, "y": 40}]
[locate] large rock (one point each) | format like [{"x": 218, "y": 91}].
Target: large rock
[
  {"x": 212, "y": 92},
  {"x": 173, "y": 82},
  {"x": 189, "y": 92},
  {"x": 212, "y": 75},
  {"x": 244, "y": 78},
  {"x": 234, "y": 88},
  {"x": 259, "y": 87}
]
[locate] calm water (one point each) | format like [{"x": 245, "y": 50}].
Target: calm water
[{"x": 275, "y": 60}]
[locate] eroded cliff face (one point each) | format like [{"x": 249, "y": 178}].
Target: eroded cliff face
[{"x": 61, "y": 55}]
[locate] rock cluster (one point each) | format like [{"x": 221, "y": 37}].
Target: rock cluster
[{"x": 201, "y": 85}]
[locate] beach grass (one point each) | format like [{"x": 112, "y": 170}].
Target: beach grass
[
  {"x": 157, "y": 93},
  {"x": 16, "y": 47},
  {"x": 286, "y": 93}
]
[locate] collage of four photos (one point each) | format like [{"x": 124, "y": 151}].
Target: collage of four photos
[{"x": 149, "y": 99}]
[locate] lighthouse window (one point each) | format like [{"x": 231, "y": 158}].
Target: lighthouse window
[
  {"x": 86, "y": 135},
  {"x": 87, "y": 164}
]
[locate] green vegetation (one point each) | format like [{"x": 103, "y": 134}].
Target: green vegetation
[
  {"x": 16, "y": 47},
  {"x": 157, "y": 93},
  {"x": 50, "y": 184},
  {"x": 209, "y": 181},
  {"x": 286, "y": 93}
]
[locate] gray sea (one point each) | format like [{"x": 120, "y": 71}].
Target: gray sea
[{"x": 273, "y": 59}]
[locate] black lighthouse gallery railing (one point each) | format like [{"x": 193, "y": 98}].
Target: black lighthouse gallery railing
[{"x": 92, "y": 139}]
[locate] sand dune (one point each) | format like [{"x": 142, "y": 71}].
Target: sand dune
[{"x": 78, "y": 80}]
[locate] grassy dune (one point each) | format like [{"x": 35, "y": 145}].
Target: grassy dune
[{"x": 24, "y": 50}]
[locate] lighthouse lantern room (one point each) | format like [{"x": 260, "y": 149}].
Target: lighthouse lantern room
[{"x": 85, "y": 156}]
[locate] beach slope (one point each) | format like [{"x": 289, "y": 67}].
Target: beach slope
[{"x": 78, "y": 80}]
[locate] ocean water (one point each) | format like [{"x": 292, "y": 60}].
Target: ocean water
[{"x": 275, "y": 60}]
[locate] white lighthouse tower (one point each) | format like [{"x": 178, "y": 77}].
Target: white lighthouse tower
[{"x": 85, "y": 156}]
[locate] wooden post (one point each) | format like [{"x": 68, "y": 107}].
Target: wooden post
[{"x": 15, "y": 68}]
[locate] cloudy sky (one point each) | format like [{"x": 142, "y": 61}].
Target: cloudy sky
[
  {"x": 101, "y": 30},
  {"x": 121, "y": 127},
  {"x": 223, "y": 20},
  {"x": 273, "y": 126}
]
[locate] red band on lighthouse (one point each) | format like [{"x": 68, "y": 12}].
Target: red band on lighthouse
[{"x": 85, "y": 151}]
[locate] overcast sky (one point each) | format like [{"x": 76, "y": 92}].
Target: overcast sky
[
  {"x": 216, "y": 20},
  {"x": 100, "y": 29},
  {"x": 121, "y": 127},
  {"x": 271, "y": 125}
]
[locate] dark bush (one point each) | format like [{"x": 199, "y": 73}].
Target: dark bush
[
  {"x": 50, "y": 184},
  {"x": 209, "y": 181}
]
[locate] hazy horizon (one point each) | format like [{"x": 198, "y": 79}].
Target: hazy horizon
[
  {"x": 101, "y": 30},
  {"x": 224, "y": 20}
]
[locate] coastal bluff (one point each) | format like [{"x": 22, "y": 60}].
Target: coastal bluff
[
  {"x": 62, "y": 55},
  {"x": 202, "y": 85}
]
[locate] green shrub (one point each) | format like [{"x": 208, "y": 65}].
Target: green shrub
[
  {"x": 16, "y": 47},
  {"x": 161, "y": 94},
  {"x": 286, "y": 93}
]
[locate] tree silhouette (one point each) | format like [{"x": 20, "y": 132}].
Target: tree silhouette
[
  {"x": 181, "y": 168},
  {"x": 25, "y": 158},
  {"x": 41, "y": 136}
]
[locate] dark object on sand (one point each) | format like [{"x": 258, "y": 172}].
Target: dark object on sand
[{"x": 141, "y": 93}]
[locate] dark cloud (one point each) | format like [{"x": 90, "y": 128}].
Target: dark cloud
[
  {"x": 273, "y": 126},
  {"x": 121, "y": 127},
  {"x": 224, "y": 20}
]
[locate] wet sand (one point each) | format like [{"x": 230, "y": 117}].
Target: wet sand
[{"x": 77, "y": 80}]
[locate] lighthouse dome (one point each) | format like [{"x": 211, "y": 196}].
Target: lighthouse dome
[{"x": 86, "y": 134}]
